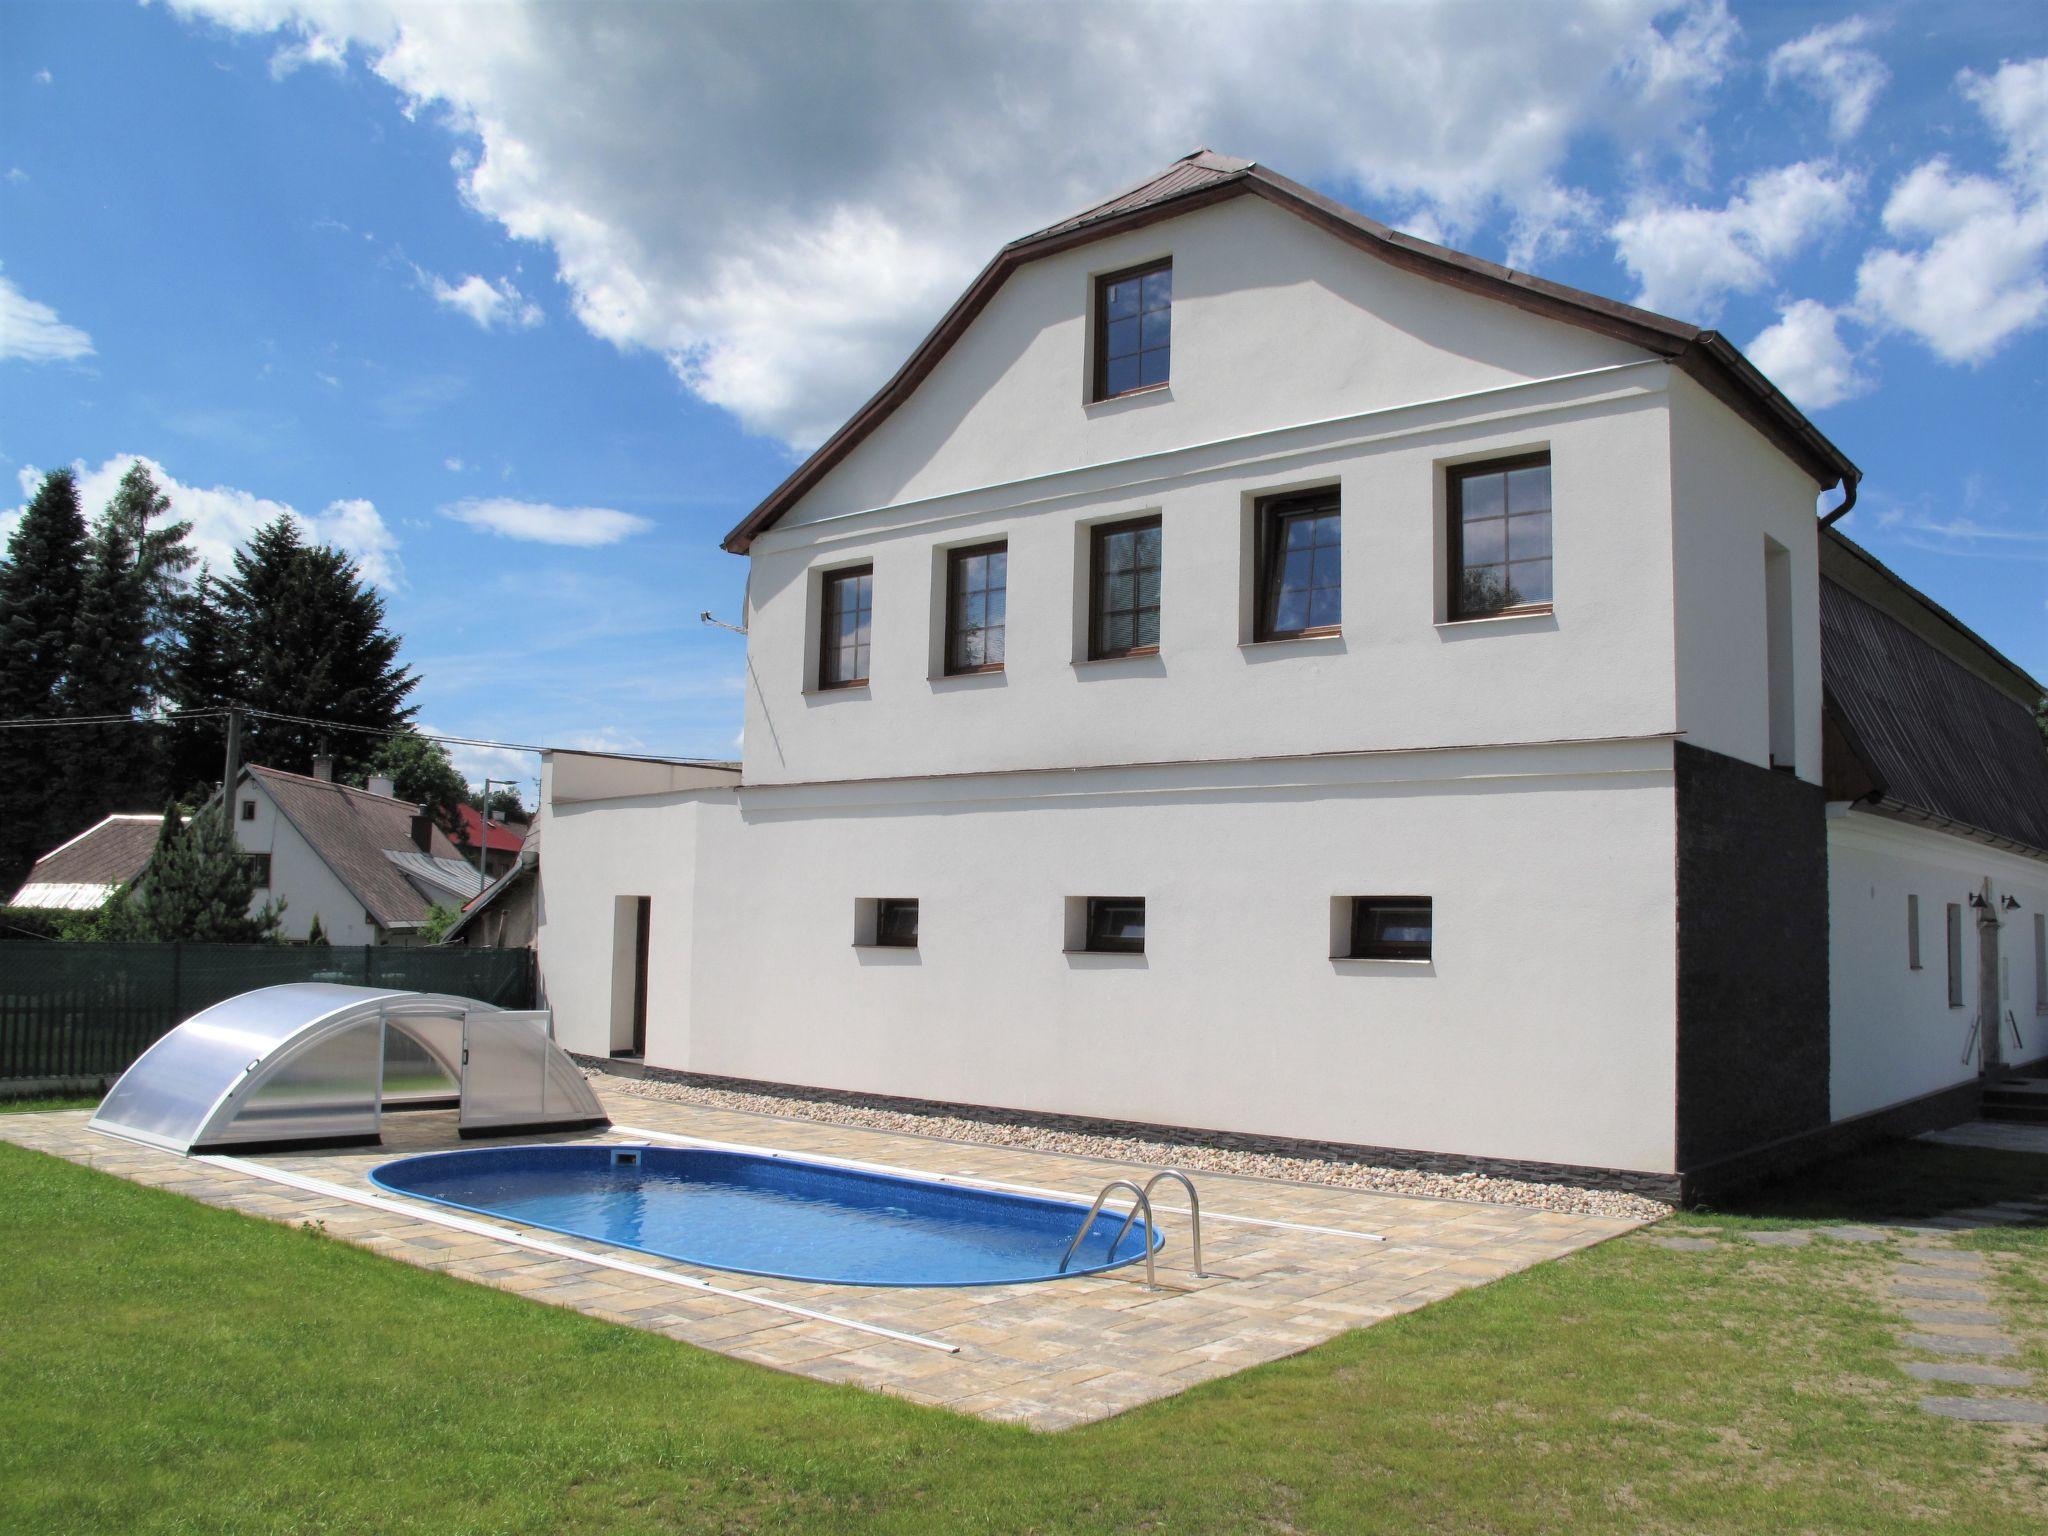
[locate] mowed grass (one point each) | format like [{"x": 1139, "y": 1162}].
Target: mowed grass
[{"x": 169, "y": 1367}]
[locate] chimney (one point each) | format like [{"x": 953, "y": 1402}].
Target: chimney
[
  {"x": 323, "y": 767},
  {"x": 423, "y": 832},
  {"x": 380, "y": 784}
]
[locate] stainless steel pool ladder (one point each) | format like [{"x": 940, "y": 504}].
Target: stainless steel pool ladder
[{"x": 1141, "y": 1200}]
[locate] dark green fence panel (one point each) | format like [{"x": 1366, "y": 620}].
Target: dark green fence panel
[{"x": 88, "y": 1010}]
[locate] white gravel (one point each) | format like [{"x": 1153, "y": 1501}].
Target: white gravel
[{"x": 1335, "y": 1170}]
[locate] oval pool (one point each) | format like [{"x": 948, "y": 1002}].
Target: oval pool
[{"x": 778, "y": 1216}]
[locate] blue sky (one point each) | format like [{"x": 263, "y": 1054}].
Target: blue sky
[{"x": 527, "y": 305}]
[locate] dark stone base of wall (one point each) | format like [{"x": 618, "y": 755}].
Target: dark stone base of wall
[
  {"x": 1654, "y": 1186},
  {"x": 1766, "y": 1164}
]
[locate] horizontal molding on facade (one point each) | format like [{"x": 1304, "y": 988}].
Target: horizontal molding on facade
[
  {"x": 1236, "y": 454},
  {"x": 1322, "y": 773}
]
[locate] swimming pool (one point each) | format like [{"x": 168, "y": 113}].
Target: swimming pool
[{"x": 776, "y": 1216}]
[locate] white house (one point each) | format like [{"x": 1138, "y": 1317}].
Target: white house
[
  {"x": 367, "y": 864},
  {"x": 1256, "y": 671}
]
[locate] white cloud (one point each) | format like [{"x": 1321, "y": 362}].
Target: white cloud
[
  {"x": 489, "y": 304},
  {"x": 1686, "y": 260},
  {"x": 1829, "y": 62},
  {"x": 1973, "y": 270},
  {"x": 1804, "y": 355},
  {"x": 32, "y": 331},
  {"x": 313, "y": 47},
  {"x": 43, "y": 77},
  {"x": 454, "y": 465},
  {"x": 223, "y": 517},
  {"x": 538, "y": 523},
  {"x": 783, "y": 220}
]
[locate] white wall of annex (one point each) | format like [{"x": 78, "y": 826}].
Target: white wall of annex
[
  {"x": 1275, "y": 323},
  {"x": 1600, "y": 665},
  {"x": 596, "y": 851},
  {"x": 1894, "y": 1035},
  {"x": 1542, "y": 1029},
  {"x": 298, "y": 875},
  {"x": 1730, "y": 491}
]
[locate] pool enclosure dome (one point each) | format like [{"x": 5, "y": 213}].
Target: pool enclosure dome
[{"x": 320, "y": 1062}]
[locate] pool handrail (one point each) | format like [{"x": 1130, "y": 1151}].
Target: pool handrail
[
  {"x": 1140, "y": 1202},
  {"x": 1194, "y": 1211}
]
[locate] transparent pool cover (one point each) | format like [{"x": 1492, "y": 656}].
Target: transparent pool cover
[{"x": 307, "y": 1062}]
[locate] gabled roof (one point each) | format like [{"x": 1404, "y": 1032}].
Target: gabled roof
[
  {"x": 352, "y": 830},
  {"x": 80, "y": 875},
  {"x": 1201, "y": 179},
  {"x": 523, "y": 868},
  {"x": 1931, "y": 734}
]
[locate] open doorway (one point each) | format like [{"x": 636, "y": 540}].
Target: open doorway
[{"x": 632, "y": 932}]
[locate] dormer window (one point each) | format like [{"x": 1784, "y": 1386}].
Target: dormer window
[{"x": 1133, "y": 329}]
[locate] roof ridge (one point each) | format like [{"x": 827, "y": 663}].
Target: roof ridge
[{"x": 307, "y": 778}]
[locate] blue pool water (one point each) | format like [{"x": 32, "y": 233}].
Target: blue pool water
[{"x": 772, "y": 1216}]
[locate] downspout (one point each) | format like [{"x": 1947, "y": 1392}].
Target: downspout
[{"x": 1848, "y": 501}]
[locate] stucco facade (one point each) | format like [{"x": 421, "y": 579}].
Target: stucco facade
[{"x": 1519, "y": 771}]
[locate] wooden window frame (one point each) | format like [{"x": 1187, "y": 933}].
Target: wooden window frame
[
  {"x": 1363, "y": 948},
  {"x": 1271, "y": 514},
  {"x": 259, "y": 868},
  {"x": 954, "y": 559},
  {"x": 1098, "y": 535},
  {"x": 883, "y": 906},
  {"x": 1455, "y": 477},
  {"x": 1098, "y": 389},
  {"x": 826, "y": 644},
  {"x": 1912, "y": 932},
  {"x": 1095, "y": 942},
  {"x": 1953, "y": 937},
  {"x": 248, "y": 809}
]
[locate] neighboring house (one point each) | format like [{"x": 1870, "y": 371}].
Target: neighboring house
[
  {"x": 368, "y": 865},
  {"x": 499, "y": 841},
  {"x": 507, "y": 913},
  {"x": 1257, "y": 671},
  {"x": 80, "y": 875}
]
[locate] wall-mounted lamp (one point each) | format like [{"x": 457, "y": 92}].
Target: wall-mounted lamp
[
  {"x": 2008, "y": 903},
  {"x": 1976, "y": 901}
]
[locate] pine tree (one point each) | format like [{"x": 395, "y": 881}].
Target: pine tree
[
  {"x": 306, "y": 637},
  {"x": 162, "y": 556},
  {"x": 196, "y": 890},
  {"x": 108, "y": 768},
  {"x": 198, "y": 674},
  {"x": 39, "y": 597}
]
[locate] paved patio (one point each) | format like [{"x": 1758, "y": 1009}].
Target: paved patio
[{"x": 1288, "y": 1265}]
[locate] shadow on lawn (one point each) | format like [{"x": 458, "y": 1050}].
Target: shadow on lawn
[{"x": 1899, "y": 1181}]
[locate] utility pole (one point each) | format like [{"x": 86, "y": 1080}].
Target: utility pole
[{"x": 231, "y": 771}]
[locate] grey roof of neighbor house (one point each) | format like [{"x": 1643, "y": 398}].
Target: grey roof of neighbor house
[
  {"x": 357, "y": 834},
  {"x": 523, "y": 868},
  {"x": 81, "y": 874},
  {"x": 1933, "y": 714},
  {"x": 1202, "y": 178}
]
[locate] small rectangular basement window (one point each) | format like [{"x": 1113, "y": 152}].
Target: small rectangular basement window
[
  {"x": 885, "y": 922},
  {"x": 1116, "y": 925},
  {"x": 1391, "y": 928},
  {"x": 896, "y": 922}
]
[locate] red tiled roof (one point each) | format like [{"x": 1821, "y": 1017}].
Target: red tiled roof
[{"x": 504, "y": 838}]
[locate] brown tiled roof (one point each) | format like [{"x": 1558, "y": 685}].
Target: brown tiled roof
[
  {"x": 106, "y": 854},
  {"x": 351, "y": 829},
  {"x": 1203, "y": 178}
]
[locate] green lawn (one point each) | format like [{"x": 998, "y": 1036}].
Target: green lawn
[{"x": 170, "y": 1367}]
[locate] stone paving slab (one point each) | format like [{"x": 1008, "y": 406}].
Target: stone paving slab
[
  {"x": 1950, "y": 1344},
  {"x": 1940, "y": 1317},
  {"x": 1779, "y": 1239},
  {"x": 1049, "y": 1356},
  {"x": 1961, "y": 1374},
  {"x": 1998, "y": 1135},
  {"x": 1988, "y": 1410}
]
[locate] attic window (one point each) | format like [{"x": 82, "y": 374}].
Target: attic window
[{"x": 1133, "y": 329}]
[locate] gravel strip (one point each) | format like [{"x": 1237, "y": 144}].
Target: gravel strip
[{"x": 1342, "y": 1173}]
